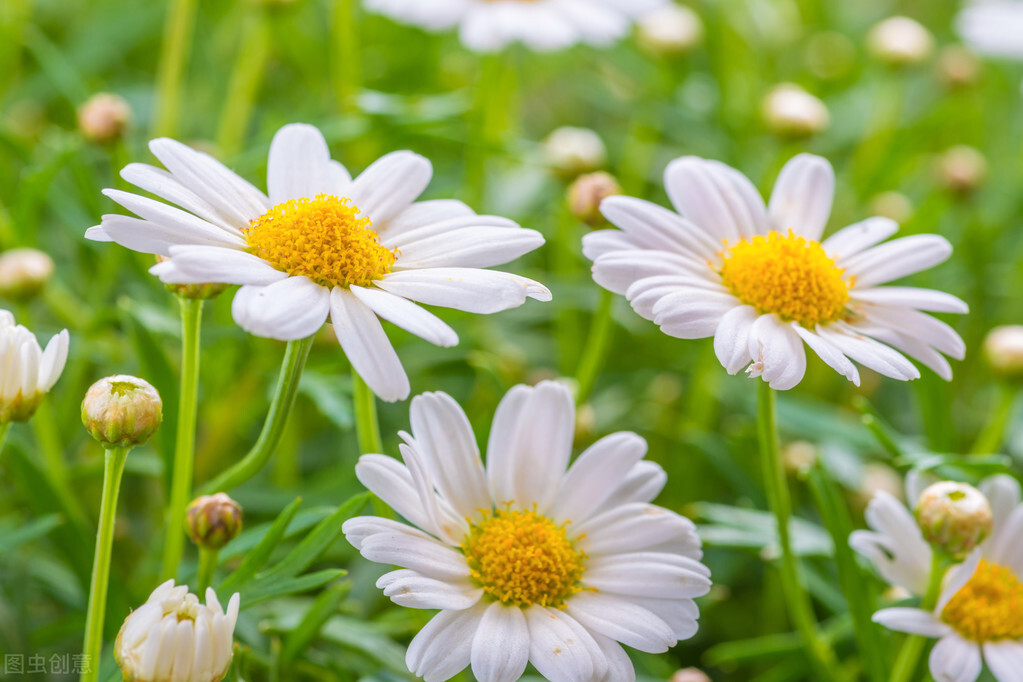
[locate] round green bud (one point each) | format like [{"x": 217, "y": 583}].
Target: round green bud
[
  {"x": 954, "y": 517},
  {"x": 213, "y": 521},
  {"x": 122, "y": 411}
]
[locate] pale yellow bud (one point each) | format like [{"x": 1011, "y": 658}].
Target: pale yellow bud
[
  {"x": 954, "y": 517},
  {"x": 894, "y": 205},
  {"x": 24, "y": 273},
  {"x": 958, "y": 67},
  {"x": 104, "y": 117},
  {"x": 1003, "y": 350},
  {"x": 962, "y": 169},
  {"x": 673, "y": 29},
  {"x": 689, "y": 675},
  {"x": 899, "y": 41},
  {"x": 585, "y": 194},
  {"x": 571, "y": 151},
  {"x": 122, "y": 411},
  {"x": 791, "y": 111},
  {"x": 798, "y": 456}
]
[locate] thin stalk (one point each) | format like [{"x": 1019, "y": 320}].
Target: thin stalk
[
  {"x": 246, "y": 77},
  {"x": 113, "y": 468},
  {"x": 797, "y": 598},
  {"x": 993, "y": 433},
  {"x": 347, "y": 70},
  {"x": 367, "y": 427},
  {"x": 4, "y": 429},
  {"x": 284, "y": 399},
  {"x": 177, "y": 37},
  {"x": 597, "y": 343},
  {"x": 184, "y": 443},
  {"x": 485, "y": 126},
  {"x": 207, "y": 565},
  {"x": 909, "y": 655}
]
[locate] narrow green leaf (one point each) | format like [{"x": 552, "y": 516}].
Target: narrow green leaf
[
  {"x": 272, "y": 587},
  {"x": 11, "y": 539},
  {"x": 249, "y": 538},
  {"x": 325, "y": 606},
  {"x": 261, "y": 553}
]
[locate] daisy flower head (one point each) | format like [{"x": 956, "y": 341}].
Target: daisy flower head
[
  {"x": 541, "y": 25},
  {"x": 321, "y": 244},
  {"x": 992, "y": 27},
  {"x": 527, "y": 558},
  {"x": 29, "y": 372},
  {"x": 759, "y": 280}
]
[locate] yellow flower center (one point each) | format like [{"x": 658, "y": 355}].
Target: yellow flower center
[
  {"x": 787, "y": 275},
  {"x": 322, "y": 238},
  {"x": 989, "y": 607},
  {"x": 521, "y": 558}
]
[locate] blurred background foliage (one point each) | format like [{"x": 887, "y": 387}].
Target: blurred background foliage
[{"x": 254, "y": 66}]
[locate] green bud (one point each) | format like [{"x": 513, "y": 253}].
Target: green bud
[
  {"x": 213, "y": 520},
  {"x": 122, "y": 411},
  {"x": 954, "y": 517}
]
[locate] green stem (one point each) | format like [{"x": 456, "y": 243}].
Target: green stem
[
  {"x": 284, "y": 399},
  {"x": 246, "y": 77},
  {"x": 367, "y": 428},
  {"x": 346, "y": 71},
  {"x": 597, "y": 343},
  {"x": 177, "y": 36},
  {"x": 184, "y": 443},
  {"x": 909, "y": 655},
  {"x": 113, "y": 468},
  {"x": 4, "y": 429},
  {"x": 993, "y": 433},
  {"x": 797, "y": 598},
  {"x": 207, "y": 565},
  {"x": 485, "y": 126}
]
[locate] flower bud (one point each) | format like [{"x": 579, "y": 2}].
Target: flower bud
[
  {"x": 791, "y": 111},
  {"x": 958, "y": 67},
  {"x": 204, "y": 291},
  {"x": 213, "y": 521},
  {"x": 27, "y": 372},
  {"x": 962, "y": 169},
  {"x": 1003, "y": 350},
  {"x": 122, "y": 411},
  {"x": 798, "y": 456},
  {"x": 673, "y": 29},
  {"x": 175, "y": 637},
  {"x": 104, "y": 117},
  {"x": 894, "y": 205},
  {"x": 689, "y": 675},
  {"x": 954, "y": 517},
  {"x": 571, "y": 151},
  {"x": 24, "y": 273},
  {"x": 585, "y": 194},
  {"x": 899, "y": 41}
]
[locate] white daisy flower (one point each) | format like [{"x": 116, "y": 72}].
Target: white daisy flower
[
  {"x": 174, "y": 637},
  {"x": 759, "y": 280},
  {"x": 896, "y": 545},
  {"x": 993, "y": 27},
  {"x": 526, "y": 561},
  {"x": 28, "y": 372},
  {"x": 324, "y": 245},
  {"x": 541, "y": 25}
]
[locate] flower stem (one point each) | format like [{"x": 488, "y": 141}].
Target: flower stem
[
  {"x": 993, "y": 433},
  {"x": 184, "y": 444},
  {"x": 4, "y": 429},
  {"x": 913, "y": 645},
  {"x": 113, "y": 468},
  {"x": 485, "y": 126},
  {"x": 347, "y": 72},
  {"x": 367, "y": 428},
  {"x": 253, "y": 53},
  {"x": 598, "y": 342},
  {"x": 284, "y": 399},
  {"x": 797, "y": 598},
  {"x": 177, "y": 36},
  {"x": 207, "y": 565}
]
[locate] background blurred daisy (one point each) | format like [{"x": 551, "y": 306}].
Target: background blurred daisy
[
  {"x": 529, "y": 562},
  {"x": 324, "y": 245},
  {"x": 759, "y": 280},
  {"x": 993, "y": 27}
]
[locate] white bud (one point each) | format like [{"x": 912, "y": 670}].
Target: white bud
[
  {"x": 955, "y": 517},
  {"x": 792, "y": 111},
  {"x": 1003, "y": 349},
  {"x": 672, "y": 29},
  {"x": 24, "y": 273},
  {"x": 27, "y": 372},
  {"x": 174, "y": 637},
  {"x": 898, "y": 41},
  {"x": 572, "y": 151},
  {"x": 689, "y": 675}
]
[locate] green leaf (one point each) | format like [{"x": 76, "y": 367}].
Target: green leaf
[
  {"x": 751, "y": 529},
  {"x": 302, "y": 521},
  {"x": 261, "y": 553},
  {"x": 363, "y": 637},
  {"x": 271, "y": 587},
  {"x": 11, "y": 539},
  {"x": 325, "y": 606}
]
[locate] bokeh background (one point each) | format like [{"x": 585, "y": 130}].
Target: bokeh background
[{"x": 374, "y": 86}]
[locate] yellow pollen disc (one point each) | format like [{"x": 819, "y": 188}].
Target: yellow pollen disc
[
  {"x": 989, "y": 607},
  {"x": 322, "y": 238},
  {"x": 521, "y": 558},
  {"x": 787, "y": 275}
]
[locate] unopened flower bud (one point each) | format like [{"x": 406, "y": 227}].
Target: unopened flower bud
[
  {"x": 585, "y": 194},
  {"x": 673, "y": 29},
  {"x": 1003, "y": 350},
  {"x": 213, "y": 521},
  {"x": 27, "y": 372},
  {"x": 962, "y": 169},
  {"x": 954, "y": 517},
  {"x": 689, "y": 675},
  {"x": 571, "y": 151},
  {"x": 175, "y": 637},
  {"x": 899, "y": 41},
  {"x": 894, "y": 205},
  {"x": 104, "y": 117},
  {"x": 24, "y": 273},
  {"x": 798, "y": 456},
  {"x": 204, "y": 291},
  {"x": 958, "y": 67},
  {"x": 122, "y": 411},
  {"x": 791, "y": 111}
]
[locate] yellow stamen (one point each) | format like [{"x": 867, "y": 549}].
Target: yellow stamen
[
  {"x": 322, "y": 238},
  {"x": 521, "y": 558},
  {"x": 989, "y": 607},
  {"x": 788, "y": 275}
]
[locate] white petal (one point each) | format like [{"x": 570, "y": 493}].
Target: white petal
[
  {"x": 299, "y": 164},
  {"x": 368, "y": 349},
  {"x": 618, "y": 270},
  {"x": 595, "y": 475},
  {"x": 648, "y": 574},
  {"x": 292, "y": 308},
  {"x": 915, "y": 621},
  {"x": 422, "y": 213},
  {"x": 643, "y": 483},
  {"x": 407, "y": 315},
  {"x": 561, "y": 649},
  {"x": 148, "y": 237},
  {"x": 467, "y": 289},
  {"x": 96, "y": 233},
  {"x": 201, "y": 264},
  {"x": 441, "y": 649},
  {"x": 388, "y": 479},
  {"x": 701, "y": 192},
  {"x": 427, "y": 557},
  {"x": 500, "y": 648},
  {"x": 390, "y": 185},
  {"x": 444, "y": 522},
  {"x": 777, "y": 352},
  {"x": 648, "y": 226},
  {"x": 619, "y": 665},
  {"x": 802, "y": 196},
  {"x": 53, "y": 360},
  {"x": 166, "y": 186},
  {"x": 731, "y": 338},
  {"x": 685, "y": 316},
  {"x": 621, "y": 620},
  {"x": 1005, "y": 659},
  {"x": 359, "y": 528},
  {"x": 853, "y": 239},
  {"x": 1003, "y": 494},
  {"x": 897, "y": 258},
  {"x": 868, "y": 352},
  {"x": 954, "y": 659},
  {"x": 470, "y": 247},
  {"x": 829, "y": 353},
  {"x": 956, "y": 578},
  {"x": 912, "y": 297},
  {"x": 408, "y": 588},
  {"x": 636, "y": 527}
]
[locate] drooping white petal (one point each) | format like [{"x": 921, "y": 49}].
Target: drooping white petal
[
  {"x": 562, "y": 649},
  {"x": 915, "y": 621},
  {"x": 201, "y": 264},
  {"x": 646, "y": 225},
  {"x": 442, "y": 647},
  {"x": 389, "y": 480},
  {"x": 954, "y": 659},
  {"x": 500, "y": 648},
  {"x": 408, "y": 588},
  {"x": 426, "y": 557},
  {"x": 53, "y": 360},
  {"x": 829, "y": 353},
  {"x": 777, "y": 352},
  {"x": 731, "y": 338},
  {"x": 621, "y": 620},
  {"x": 286, "y": 310},
  {"x": 407, "y": 315},
  {"x": 1004, "y": 658},
  {"x": 368, "y": 349},
  {"x": 166, "y": 186},
  {"x": 467, "y": 289}
]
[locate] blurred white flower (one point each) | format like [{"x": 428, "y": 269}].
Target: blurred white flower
[
  {"x": 324, "y": 245},
  {"x": 900, "y": 41},
  {"x": 791, "y": 110},
  {"x": 29, "y": 372},
  {"x": 1003, "y": 350},
  {"x": 759, "y": 280},
  {"x": 174, "y": 638},
  {"x": 673, "y": 29},
  {"x": 993, "y": 27},
  {"x": 572, "y": 151},
  {"x": 542, "y": 25},
  {"x": 526, "y": 561},
  {"x": 24, "y": 272}
]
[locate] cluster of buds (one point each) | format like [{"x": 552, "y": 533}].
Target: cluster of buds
[
  {"x": 954, "y": 517},
  {"x": 122, "y": 411},
  {"x": 213, "y": 521}
]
